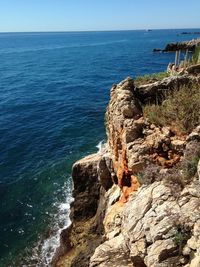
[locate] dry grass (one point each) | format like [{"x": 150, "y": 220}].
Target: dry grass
[{"x": 180, "y": 110}]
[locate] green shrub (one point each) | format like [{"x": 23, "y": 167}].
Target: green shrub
[
  {"x": 180, "y": 109},
  {"x": 181, "y": 237}
]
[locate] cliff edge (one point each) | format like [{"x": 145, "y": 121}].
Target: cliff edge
[{"x": 137, "y": 201}]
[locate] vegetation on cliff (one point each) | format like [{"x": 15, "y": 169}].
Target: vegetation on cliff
[
  {"x": 180, "y": 109},
  {"x": 196, "y": 55},
  {"x": 179, "y": 176},
  {"x": 148, "y": 78}
]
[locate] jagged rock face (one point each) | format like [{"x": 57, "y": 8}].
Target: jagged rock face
[
  {"x": 159, "y": 225},
  {"x": 159, "y": 228},
  {"x": 112, "y": 253},
  {"x": 93, "y": 194},
  {"x": 129, "y": 224},
  {"x": 86, "y": 187},
  {"x": 78, "y": 242},
  {"x": 183, "y": 46},
  {"x": 124, "y": 124},
  {"x": 159, "y": 221},
  {"x": 105, "y": 171},
  {"x": 133, "y": 142},
  {"x": 156, "y": 91}
]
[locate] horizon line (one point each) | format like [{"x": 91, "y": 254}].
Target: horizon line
[{"x": 114, "y": 30}]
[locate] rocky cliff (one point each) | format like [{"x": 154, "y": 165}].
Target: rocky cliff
[
  {"x": 183, "y": 46},
  {"x": 137, "y": 201}
]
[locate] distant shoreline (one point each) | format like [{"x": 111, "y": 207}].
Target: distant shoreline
[{"x": 85, "y": 31}]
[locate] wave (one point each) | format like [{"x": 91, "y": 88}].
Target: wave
[
  {"x": 44, "y": 251},
  {"x": 101, "y": 146}
]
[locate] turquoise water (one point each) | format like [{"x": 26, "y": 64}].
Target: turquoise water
[{"x": 54, "y": 88}]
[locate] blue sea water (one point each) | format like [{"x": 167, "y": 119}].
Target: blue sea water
[{"x": 54, "y": 88}]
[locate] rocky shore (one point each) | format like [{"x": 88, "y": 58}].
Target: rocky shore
[
  {"x": 131, "y": 206},
  {"x": 183, "y": 46}
]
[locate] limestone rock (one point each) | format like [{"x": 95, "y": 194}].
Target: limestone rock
[
  {"x": 119, "y": 221},
  {"x": 152, "y": 224},
  {"x": 104, "y": 174},
  {"x": 113, "y": 220},
  {"x": 150, "y": 93},
  {"x": 160, "y": 251},
  {"x": 183, "y": 46},
  {"x": 112, "y": 253},
  {"x": 178, "y": 145},
  {"x": 195, "y": 262},
  {"x": 78, "y": 242},
  {"x": 86, "y": 187},
  {"x": 195, "y": 135}
]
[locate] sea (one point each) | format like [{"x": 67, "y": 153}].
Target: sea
[{"x": 54, "y": 89}]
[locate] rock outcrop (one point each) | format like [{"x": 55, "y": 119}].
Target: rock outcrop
[
  {"x": 154, "y": 92},
  {"x": 183, "y": 46},
  {"x": 132, "y": 206},
  {"x": 196, "y": 32},
  {"x": 159, "y": 227},
  {"x": 80, "y": 239}
]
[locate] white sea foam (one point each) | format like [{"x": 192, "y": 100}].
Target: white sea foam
[
  {"x": 45, "y": 250},
  {"x": 101, "y": 146}
]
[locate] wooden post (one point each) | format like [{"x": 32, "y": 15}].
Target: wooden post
[
  {"x": 179, "y": 57},
  {"x": 176, "y": 58},
  {"x": 186, "y": 57}
]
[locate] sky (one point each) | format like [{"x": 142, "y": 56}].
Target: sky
[{"x": 96, "y": 15}]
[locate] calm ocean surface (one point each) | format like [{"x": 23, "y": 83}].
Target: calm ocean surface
[{"x": 54, "y": 88}]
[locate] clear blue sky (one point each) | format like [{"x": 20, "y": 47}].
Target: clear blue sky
[{"x": 69, "y": 15}]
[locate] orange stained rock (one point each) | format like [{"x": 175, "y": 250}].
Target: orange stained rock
[
  {"x": 126, "y": 191},
  {"x": 126, "y": 180},
  {"x": 168, "y": 163},
  {"x": 121, "y": 168},
  {"x": 178, "y": 132},
  {"x": 134, "y": 183}
]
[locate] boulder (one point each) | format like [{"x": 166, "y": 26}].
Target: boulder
[
  {"x": 195, "y": 135},
  {"x": 155, "y": 92},
  {"x": 160, "y": 251},
  {"x": 104, "y": 172},
  {"x": 112, "y": 253},
  {"x": 86, "y": 187}
]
